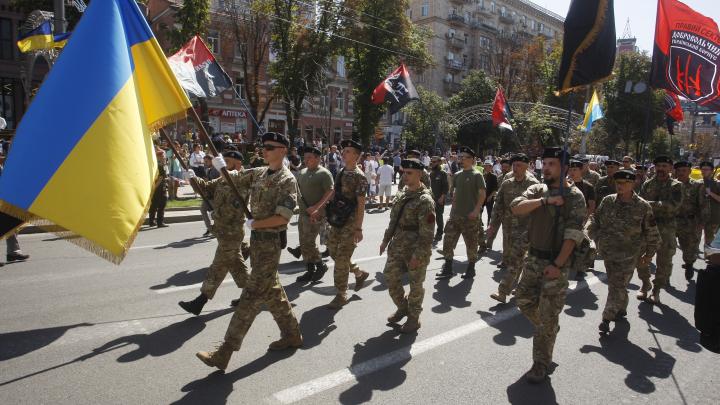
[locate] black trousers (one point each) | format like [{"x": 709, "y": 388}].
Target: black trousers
[
  {"x": 707, "y": 302},
  {"x": 439, "y": 220},
  {"x": 157, "y": 206},
  {"x": 395, "y": 174},
  {"x": 489, "y": 206}
]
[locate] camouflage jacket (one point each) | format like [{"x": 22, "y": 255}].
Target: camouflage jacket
[
  {"x": 592, "y": 177},
  {"x": 228, "y": 212},
  {"x": 692, "y": 202},
  {"x": 415, "y": 229},
  {"x": 354, "y": 185},
  {"x": 508, "y": 191},
  {"x": 665, "y": 198},
  {"x": 270, "y": 193},
  {"x": 619, "y": 228},
  {"x": 604, "y": 187}
]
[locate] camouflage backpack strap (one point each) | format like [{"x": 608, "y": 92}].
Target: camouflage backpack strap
[{"x": 393, "y": 227}]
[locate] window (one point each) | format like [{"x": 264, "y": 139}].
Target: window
[
  {"x": 7, "y": 47},
  {"x": 341, "y": 66},
  {"x": 532, "y": 24},
  {"x": 451, "y": 33},
  {"x": 492, "y": 7},
  {"x": 7, "y": 100},
  {"x": 214, "y": 41},
  {"x": 239, "y": 50},
  {"x": 485, "y": 42},
  {"x": 340, "y": 102},
  {"x": 466, "y": 38},
  {"x": 541, "y": 27},
  {"x": 450, "y": 56},
  {"x": 503, "y": 11},
  {"x": 239, "y": 88},
  {"x": 424, "y": 10}
]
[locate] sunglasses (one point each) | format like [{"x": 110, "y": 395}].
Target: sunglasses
[{"x": 272, "y": 147}]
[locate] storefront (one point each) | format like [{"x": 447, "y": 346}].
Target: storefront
[{"x": 228, "y": 121}]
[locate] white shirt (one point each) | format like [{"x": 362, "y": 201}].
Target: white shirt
[
  {"x": 426, "y": 160},
  {"x": 196, "y": 159},
  {"x": 538, "y": 164},
  {"x": 386, "y": 174},
  {"x": 370, "y": 169}
]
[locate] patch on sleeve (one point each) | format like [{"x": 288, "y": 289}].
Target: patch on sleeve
[
  {"x": 431, "y": 218},
  {"x": 288, "y": 203}
]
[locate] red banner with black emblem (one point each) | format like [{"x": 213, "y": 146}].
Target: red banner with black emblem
[{"x": 686, "y": 56}]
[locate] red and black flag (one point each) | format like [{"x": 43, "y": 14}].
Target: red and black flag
[
  {"x": 396, "y": 89},
  {"x": 197, "y": 70},
  {"x": 673, "y": 111},
  {"x": 588, "y": 44},
  {"x": 686, "y": 54},
  {"x": 501, "y": 113}
]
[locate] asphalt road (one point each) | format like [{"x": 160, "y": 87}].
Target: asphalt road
[{"x": 75, "y": 329}]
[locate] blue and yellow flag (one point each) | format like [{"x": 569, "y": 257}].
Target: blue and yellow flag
[
  {"x": 593, "y": 112},
  {"x": 41, "y": 38},
  {"x": 83, "y": 155}
]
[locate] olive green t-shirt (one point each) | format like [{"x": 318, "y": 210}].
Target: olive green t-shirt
[
  {"x": 313, "y": 185},
  {"x": 467, "y": 185}
]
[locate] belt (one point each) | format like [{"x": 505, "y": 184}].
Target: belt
[
  {"x": 410, "y": 228},
  {"x": 259, "y": 235},
  {"x": 541, "y": 254}
]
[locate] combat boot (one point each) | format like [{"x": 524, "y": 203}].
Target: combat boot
[
  {"x": 470, "y": 272},
  {"x": 294, "y": 251},
  {"x": 195, "y": 306},
  {"x": 308, "y": 275},
  {"x": 689, "y": 271},
  {"x": 499, "y": 297},
  {"x": 287, "y": 342},
  {"x": 536, "y": 374},
  {"x": 218, "y": 358},
  {"x": 642, "y": 295},
  {"x": 235, "y": 302},
  {"x": 621, "y": 314},
  {"x": 655, "y": 298},
  {"x": 604, "y": 326},
  {"x": 411, "y": 325},
  {"x": 360, "y": 280},
  {"x": 320, "y": 270},
  {"x": 338, "y": 302},
  {"x": 16, "y": 257},
  {"x": 397, "y": 316},
  {"x": 447, "y": 270}
]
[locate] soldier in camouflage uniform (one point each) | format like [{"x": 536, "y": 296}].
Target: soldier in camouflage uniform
[
  {"x": 469, "y": 186},
  {"x": 665, "y": 197},
  {"x": 409, "y": 237},
  {"x": 229, "y": 218},
  {"x": 351, "y": 182},
  {"x": 606, "y": 185},
  {"x": 591, "y": 176},
  {"x": 584, "y": 255},
  {"x": 315, "y": 184},
  {"x": 161, "y": 193},
  {"x": 620, "y": 222},
  {"x": 711, "y": 206},
  {"x": 555, "y": 227},
  {"x": 514, "y": 228},
  {"x": 273, "y": 198},
  {"x": 688, "y": 217},
  {"x": 425, "y": 180},
  {"x": 640, "y": 176}
]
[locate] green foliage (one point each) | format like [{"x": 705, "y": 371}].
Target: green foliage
[
  {"x": 423, "y": 120},
  {"x": 659, "y": 143},
  {"x": 476, "y": 88},
  {"x": 193, "y": 18}
]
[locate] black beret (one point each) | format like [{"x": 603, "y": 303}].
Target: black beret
[
  {"x": 465, "y": 149},
  {"x": 411, "y": 164},
  {"x": 275, "y": 137},
  {"x": 233, "y": 154},
  {"x": 641, "y": 167},
  {"x": 312, "y": 149},
  {"x": 520, "y": 157},
  {"x": 624, "y": 175},
  {"x": 557, "y": 153},
  {"x": 662, "y": 159},
  {"x": 504, "y": 161},
  {"x": 682, "y": 163},
  {"x": 349, "y": 143},
  {"x": 707, "y": 164},
  {"x": 612, "y": 162},
  {"x": 576, "y": 163},
  {"x": 414, "y": 152}
]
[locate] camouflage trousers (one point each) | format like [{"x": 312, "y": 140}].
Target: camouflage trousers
[
  {"x": 688, "y": 239},
  {"x": 308, "y": 233},
  {"x": 457, "y": 226},
  {"x": 399, "y": 255},
  {"x": 663, "y": 260},
  {"x": 583, "y": 257},
  {"x": 515, "y": 246},
  {"x": 263, "y": 288},
  {"x": 541, "y": 301},
  {"x": 482, "y": 238},
  {"x": 341, "y": 244},
  {"x": 228, "y": 258},
  {"x": 619, "y": 273}
]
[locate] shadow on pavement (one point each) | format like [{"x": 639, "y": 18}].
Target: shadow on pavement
[
  {"x": 391, "y": 376},
  {"x": 667, "y": 321},
  {"x": 183, "y": 278},
  {"x": 451, "y": 297},
  {"x": 687, "y": 296},
  {"x": 640, "y": 364},
  {"x": 316, "y": 324},
  {"x": 522, "y": 392},
  {"x": 16, "y": 344},
  {"x": 185, "y": 243},
  {"x": 508, "y": 330},
  {"x": 580, "y": 300}
]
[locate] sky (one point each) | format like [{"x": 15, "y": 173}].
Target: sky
[{"x": 641, "y": 14}]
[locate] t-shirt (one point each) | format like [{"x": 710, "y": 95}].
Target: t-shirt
[
  {"x": 370, "y": 169},
  {"x": 397, "y": 161},
  {"x": 313, "y": 185},
  {"x": 386, "y": 173},
  {"x": 587, "y": 190},
  {"x": 467, "y": 185}
]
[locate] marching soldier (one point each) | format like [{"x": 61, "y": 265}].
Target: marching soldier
[
  {"x": 640, "y": 176},
  {"x": 409, "y": 242},
  {"x": 315, "y": 184},
  {"x": 514, "y": 228},
  {"x": 161, "y": 194},
  {"x": 469, "y": 187},
  {"x": 619, "y": 223},
  {"x": 591, "y": 176},
  {"x": 606, "y": 185},
  {"x": 439, "y": 187},
  {"x": 584, "y": 254},
  {"x": 543, "y": 285},
  {"x": 711, "y": 209},
  {"x": 273, "y": 197},
  {"x": 415, "y": 154},
  {"x": 229, "y": 218},
  {"x": 665, "y": 197},
  {"x": 688, "y": 217},
  {"x": 352, "y": 185}
]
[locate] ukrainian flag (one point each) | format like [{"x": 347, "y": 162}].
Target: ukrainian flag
[
  {"x": 593, "y": 112},
  {"x": 39, "y": 38},
  {"x": 60, "y": 40},
  {"x": 83, "y": 156}
]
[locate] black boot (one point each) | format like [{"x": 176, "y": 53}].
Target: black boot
[
  {"x": 16, "y": 257},
  {"x": 308, "y": 275},
  {"x": 320, "y": 270},
  {"x": 294, "y": 251},
  {"x": 470, "y": 272},
  {"x": 689, "y": 271},
  {"x": 235, "y": 302},
  {"x": 325, "y": 254},
  {"x": 195, "y": 306},
  {"x": 447, "y": 270}
]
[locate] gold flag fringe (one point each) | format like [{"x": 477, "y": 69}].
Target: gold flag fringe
[{"x": 165, "y": 121}]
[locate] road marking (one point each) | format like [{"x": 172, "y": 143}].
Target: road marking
[{"x": 352, "y": 373}]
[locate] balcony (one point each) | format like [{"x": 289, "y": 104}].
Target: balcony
[
  {"x": 457, "y": 19},
  {"x": 484, "y": 11},
  {"x": 506, "y": 19},
  {"x": 460, "y": 2},
  {"x": 455, "y": 65},
  {"x": 455, "y": 42},
  {"x": 450, "y": 86},
  {"x": 487, "y": 26},
  {"x": 474, "y": 24}
]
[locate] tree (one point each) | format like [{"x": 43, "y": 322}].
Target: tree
[
  {"x": 659, "y": 144},
  {"x": 192, "y": 19},
  {"x": 477, "y": 88},
  {"x": 423, "y": 120},
  {"x": 383, "y": 37}
]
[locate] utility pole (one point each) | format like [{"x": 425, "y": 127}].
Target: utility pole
[{"x": 60, "y": 22}]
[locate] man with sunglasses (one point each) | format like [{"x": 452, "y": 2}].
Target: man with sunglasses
[
  {"x": 469, "y": 187},
  {"x": 688, "y": 217},
  {"x": 273, "y": 198},
  {"x": 620, "y": 221},
  {"x": 606, "y": 185},
  {"x": 711, "y": 208}
]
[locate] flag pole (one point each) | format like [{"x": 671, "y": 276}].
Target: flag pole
[
  {"x": 193, "y": 180},
  {"x": 225, "y": 173}
]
